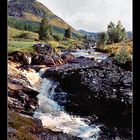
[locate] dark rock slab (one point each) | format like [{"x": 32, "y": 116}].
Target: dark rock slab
[{"x": 102, "y": 88}]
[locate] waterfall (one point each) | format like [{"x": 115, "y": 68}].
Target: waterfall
[{"x": 55, "y": 118}]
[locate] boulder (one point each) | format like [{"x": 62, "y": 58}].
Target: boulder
[
  {"x": 47, "y": 60},
  {"x": 67, "y": 56},
  {"x": 21, "y": 95},
  {"x": 20, "y": 57},
  {"x": 43, "y": 49},
  {"x": 26, "y": 127},
  {"x": 103, "y": 89}
]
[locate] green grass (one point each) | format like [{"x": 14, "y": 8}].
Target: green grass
[
  {"x": 20, "y": 46},
  {"x": 20, "y": 40},
  {"x": 15, "y": 34}
]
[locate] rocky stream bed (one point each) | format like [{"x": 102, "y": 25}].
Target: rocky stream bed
[{"x": 75, "y": 95}]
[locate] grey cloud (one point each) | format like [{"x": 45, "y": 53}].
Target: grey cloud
[{"x": 92, "y": 15}]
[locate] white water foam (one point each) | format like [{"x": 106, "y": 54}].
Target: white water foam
[
  {"x": 33, "y": 77},
  {"x": 53, "y": 116},
  {"x": 90, "y": 53}
]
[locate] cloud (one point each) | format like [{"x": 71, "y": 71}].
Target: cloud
[{"x": 92, "y": 15}]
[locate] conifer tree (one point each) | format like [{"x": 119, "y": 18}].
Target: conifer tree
[{"x": 45, "y": 31}]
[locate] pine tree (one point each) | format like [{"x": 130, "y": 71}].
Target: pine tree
[{"x": 45, "y": 31}]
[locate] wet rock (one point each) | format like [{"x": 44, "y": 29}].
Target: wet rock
[
  {"x": 45, "y": 55},
  {"x": 102, "y": 88},
  {"x": 21, "y": 95},
  {"x": 80, "y": 60},
  {"x": 21, "y": 102},
  {"x": 58, "y": 136},
  {"x": 45, "y": 49},
  {"x": 57, "y": 60},
  {"x": 15, "y": 88},
  {"x": 24, "y": 126},
  {"x": 48, "y": 60},
  {"x": 15, "y": 104},
  {"x": 89, "y": 43},
  {"x": 38, "y": 60},
  {"x": 20, "y": 57},
  {"x": 67, "y": 56},
  {"x": 127, "y": 66}
]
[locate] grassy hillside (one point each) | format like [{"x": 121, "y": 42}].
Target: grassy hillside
[
  {"x": 21, "y": 40},
  {"x": 83, "y": 32},
  {"x": 15, "y": 34},
  {"x": 32, "y": 10},
  {"x": 24, "y": 24}
]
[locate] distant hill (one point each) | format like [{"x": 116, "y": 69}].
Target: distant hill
[
  {"x": 130, "y": 35},
  {"x": 32, "y": 10},
  {"x": 95, "y": 34}
]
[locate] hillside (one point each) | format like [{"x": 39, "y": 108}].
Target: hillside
[
  {"x": 32, "y": 10},
  {"x": 130, "y": 35},
  {"x": 83, "y": 32}
]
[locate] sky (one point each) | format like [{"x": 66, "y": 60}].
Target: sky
[{"x": 92, "y": 15}]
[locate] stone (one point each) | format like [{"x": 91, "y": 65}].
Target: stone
[
  {"x": 67, "y": 56},
  {"x": 104, "y": 86}
]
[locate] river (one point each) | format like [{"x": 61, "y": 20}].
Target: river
[{"x": 53, "y": 115}]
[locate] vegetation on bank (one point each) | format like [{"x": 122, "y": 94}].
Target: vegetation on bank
[
  {"x": 114, "y": 42},
  {"x": 20, "y": 40},
  {"x": 114, "y": 34}
]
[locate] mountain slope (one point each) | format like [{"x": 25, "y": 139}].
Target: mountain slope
[
  {"x": 33, "y": 10},
  {"x": 130, "y": 35},
  {"x": 83, "y": 32}
]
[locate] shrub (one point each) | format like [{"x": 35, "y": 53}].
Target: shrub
[
  {"x": 58, "y": 37},
  {"x": 122, "y": 55},
  {"x": 68, "y": 33},
  {"x": 116, "y": 33},
  {"x": 103, "y": 37},
  {"x": 54, "y": 44}
]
